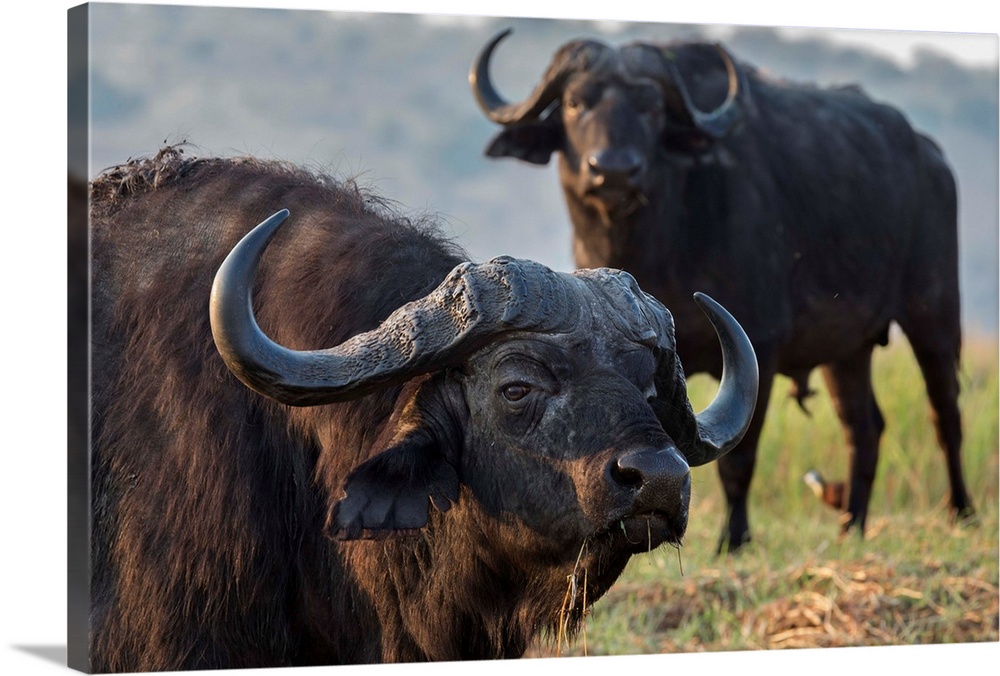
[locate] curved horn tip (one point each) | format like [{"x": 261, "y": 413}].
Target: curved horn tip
[
  {"x": 720, "y": 315},
  {"x": 708, "y": 304},
  {"x": 723, "y": 424},
  {"x": 250, "y": 248},
  {"x": 704, "y": 299},
  {"x": 278, "y": 217},
  {"x": 484, "y": 53},
  {"x": 231, "y": 278},
  {"x": 269, "y": 225},
  {"x": 501, "y": 35}
]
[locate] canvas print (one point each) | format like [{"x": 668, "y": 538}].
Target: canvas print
[{"x": 407, "y": 338}]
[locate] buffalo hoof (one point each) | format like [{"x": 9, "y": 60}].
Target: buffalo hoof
[
  {"x": 732, "y": 545},
  {"x": 852, "y": 523},
  {"x": 965, "y": 517}
]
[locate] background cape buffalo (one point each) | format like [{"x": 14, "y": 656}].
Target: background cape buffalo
[
  {"x": 818, "y": 215},
  {"x": 440, "y": 445}
]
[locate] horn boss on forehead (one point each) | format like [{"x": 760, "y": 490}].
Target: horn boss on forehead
[
  {"x": 635, "y": 313},
  {"x": 473, "y": 306}
]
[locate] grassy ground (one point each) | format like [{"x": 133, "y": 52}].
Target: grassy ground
[{"x": 915, "y": 578}]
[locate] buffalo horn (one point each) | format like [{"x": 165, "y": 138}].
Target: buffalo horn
[
  {"x": 718, "y": 122},
  {"x": 468, "y": 309},
  {"x": 724, "y": 422},
  {"x": 574, "y": 56}
]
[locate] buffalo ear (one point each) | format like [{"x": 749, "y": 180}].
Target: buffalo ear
[
  {"x": 672, "y": 406},
  {"x": 532, "y": 142},
  {"x": 391, "y": 493}
]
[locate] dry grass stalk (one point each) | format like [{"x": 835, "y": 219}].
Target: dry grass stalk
[{"x": 569, "y": 603}]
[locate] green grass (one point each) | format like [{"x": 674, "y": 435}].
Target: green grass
[
  {"x": 911, "y": 471},
  {"x": 915, "y": 577}
]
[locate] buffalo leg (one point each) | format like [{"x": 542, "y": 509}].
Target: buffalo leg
[
  {"x": 931, "y": 319},
  {"x": 736, "y": 471},
  {"x": 938, "y": 360},
  {"x": 850, "y": 386}
]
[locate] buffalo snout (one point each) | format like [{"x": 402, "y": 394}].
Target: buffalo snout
[
  {"x": 659, "y": 481},
  {"x": 613, "y": 179},
  {"x": 616, "y": 168}
]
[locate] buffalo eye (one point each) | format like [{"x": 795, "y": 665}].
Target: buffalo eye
[
  {"x": 515, "y": 391},
  {"x": 576, "y": 101}
]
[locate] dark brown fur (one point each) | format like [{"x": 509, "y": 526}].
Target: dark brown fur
[{"x": 225, "y": 563}]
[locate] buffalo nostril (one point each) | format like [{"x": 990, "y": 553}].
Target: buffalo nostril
[
  {"x": 625, "y": 475},
  {"x": 596, "y": 170},
  {"x": 652, "y": 465},
  {"x": 661, "y": 477},
  {"x": 615, "y": 166}
]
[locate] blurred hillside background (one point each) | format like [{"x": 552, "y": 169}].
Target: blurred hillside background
[{"x": 385, "y": 98}]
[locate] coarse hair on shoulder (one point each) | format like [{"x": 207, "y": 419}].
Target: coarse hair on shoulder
[{"x": 172, "y": 168}]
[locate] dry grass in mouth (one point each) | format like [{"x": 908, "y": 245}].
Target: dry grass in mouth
[
  {"x": 569, "y": 603},
  {"x": 573, "y": 587}
]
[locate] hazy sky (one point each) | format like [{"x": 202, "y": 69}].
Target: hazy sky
[
  {"x": 967, "y": 48},
  {"x": 975, "y": 49},
  {"x": 965, "y": 29}
]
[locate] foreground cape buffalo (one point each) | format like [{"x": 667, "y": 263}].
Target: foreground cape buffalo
[
  {"x": 442, "y": 450},
  {"x": 817, "y": 216}
]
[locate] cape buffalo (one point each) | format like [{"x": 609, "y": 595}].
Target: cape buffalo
[
  {"x": 818, "y": 216},
  {"x": 410, "y": 457}
]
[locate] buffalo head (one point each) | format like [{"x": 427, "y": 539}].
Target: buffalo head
[
  {"x": 610, "y": 113},
  {"x": 555, "y": 400}
]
